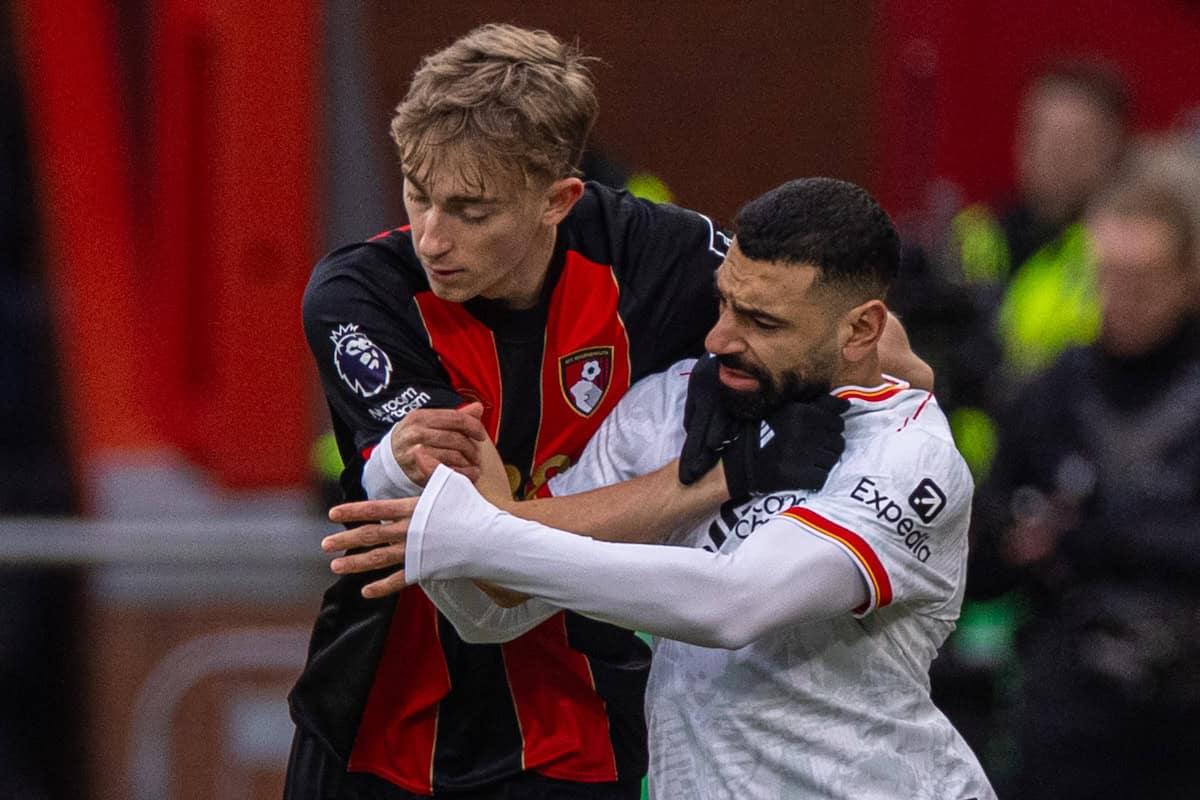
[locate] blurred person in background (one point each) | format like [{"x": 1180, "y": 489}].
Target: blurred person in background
[
  {"x": 1092, "y": 504},
  {"x": 1011, "y": 285},
  {"x": 991, "y": 294}
]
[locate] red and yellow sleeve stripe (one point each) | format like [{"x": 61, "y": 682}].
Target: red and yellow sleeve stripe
[
  {"x": 873, "y": 395},
  {"x": 856, "y": 546}
]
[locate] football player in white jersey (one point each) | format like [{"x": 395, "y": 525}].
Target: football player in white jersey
[{"x": 794, "y": 629}]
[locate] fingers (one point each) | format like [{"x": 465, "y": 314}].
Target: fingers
[
  {"x": 369, "y": 561},
  {"x": 427, "y": 458},
  {"x": 428, "y": 437},
  {"x": 387, "y": 542},
  {"x": 473, "y": 409},
  {"x": 466, "y": 420},
  {"x": 381, "y": 588},
  {"x": 397, "y": 510},
  {"x": 366, "y": 536}
]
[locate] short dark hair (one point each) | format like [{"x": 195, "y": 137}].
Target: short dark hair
[{"x": 832, "y": 225}]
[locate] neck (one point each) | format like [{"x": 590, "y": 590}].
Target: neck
[
  {"x": 866, "y": 372},
  {"x": 528, "y": 282}
]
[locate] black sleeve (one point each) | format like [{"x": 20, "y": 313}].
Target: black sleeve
[
  {"x": 666, "y": 257},
  {"x": 370, "y": 347}
]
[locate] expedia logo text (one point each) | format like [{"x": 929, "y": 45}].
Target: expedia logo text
[{"x": 887, "y": 510}]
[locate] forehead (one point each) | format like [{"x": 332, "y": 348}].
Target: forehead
[
  {"x": 456, "y": 171},
  {"x": 1061, "y": 105},
  {"x": 770, "y": 286}
]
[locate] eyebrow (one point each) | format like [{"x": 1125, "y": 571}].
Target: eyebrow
[
  {"x": 744, "y": 310},
  {"x": 457, "y": 199}
]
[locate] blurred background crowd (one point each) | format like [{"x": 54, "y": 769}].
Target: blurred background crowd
[{"x": 171, "y": 169}]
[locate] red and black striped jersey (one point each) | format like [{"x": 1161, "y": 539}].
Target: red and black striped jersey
[{"x": 389, "y": 686}]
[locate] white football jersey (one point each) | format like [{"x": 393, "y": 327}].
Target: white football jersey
[{"x": 832, "y": 709}]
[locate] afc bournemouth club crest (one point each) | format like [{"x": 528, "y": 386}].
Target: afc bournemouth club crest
[{"x": 585, "y": 375}]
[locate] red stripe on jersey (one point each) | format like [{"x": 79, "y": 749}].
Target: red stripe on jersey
[
  {"x": 585, "y": 371},
  {"x": 921, "y": 407},
  {"x": 858, "y": 547},
  {"x": 564, "y": 723},
  {"x": 396, "y": 736},
  {"x": 873, "y": 395},
  {"x": 399, "y": 724},
  {"x": 467, "y": 349},
  {"x": 585, "y": 367},
  {"x": 388, "y": 233}
]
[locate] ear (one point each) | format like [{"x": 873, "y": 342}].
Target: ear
[
  {"x": 561, "y": 196},
  {"x": 861, "y": 329}
]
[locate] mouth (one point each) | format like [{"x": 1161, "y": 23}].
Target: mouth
[
  {"x": 443, "y": 273},
  {"x": 736, "y": 379}
]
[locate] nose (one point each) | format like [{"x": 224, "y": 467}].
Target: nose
[
  {"x": 723, "y": 337},
  {"x": 433, "y": 239}
]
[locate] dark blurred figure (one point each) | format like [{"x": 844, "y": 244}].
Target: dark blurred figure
[
  {"x": 1092, "y": 509},
  {"x": 1006, "y": 289},
  {"x": 990, "y": 295},
  {"x": 39, "y": 701}
]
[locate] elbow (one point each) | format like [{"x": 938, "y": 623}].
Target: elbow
[
  {"x": 735, "y": 623},
  {"x": 732, "y": 635},
  {"x": 727, "y": 640}
]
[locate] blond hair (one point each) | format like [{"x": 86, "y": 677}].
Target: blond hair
[
  {"x": 1161, "y": 179},
  {"x": 514, "y": 102}
]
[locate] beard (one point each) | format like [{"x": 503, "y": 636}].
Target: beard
[{"x": 804, "y": 384}]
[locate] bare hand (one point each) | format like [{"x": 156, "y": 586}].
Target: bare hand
[
  {"x": 386, "y": 534},
  {"x": 431, "y": 436}
]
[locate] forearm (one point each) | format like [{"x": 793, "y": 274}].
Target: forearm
[
  {"x": 709, "y": 599},
  {"x": 641, "y": 510}
]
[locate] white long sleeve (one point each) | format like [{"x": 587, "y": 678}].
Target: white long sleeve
[
  {"x": 777, "y": 577},
  {"x": 477, "y": 619},
  {"x": 382, "y": 477}
]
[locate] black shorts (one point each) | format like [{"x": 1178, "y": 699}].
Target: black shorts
[{"x": 314, "y": 774}]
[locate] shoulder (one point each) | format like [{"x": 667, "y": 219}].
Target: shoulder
[
  {"x": 904, "y": 442},
  {"x": 383, "y": 269},
  {"x": 660, "y": 395},
  {"x": 607, "y": 223}
]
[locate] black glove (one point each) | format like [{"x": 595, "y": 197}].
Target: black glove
[
  {"x": 795, "y": 447},
  {"x": 709, "y": 428},
  {"x": 804, "y": 443}
]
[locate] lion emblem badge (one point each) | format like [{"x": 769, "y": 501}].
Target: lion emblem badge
[{"x": 361, "y": 363}]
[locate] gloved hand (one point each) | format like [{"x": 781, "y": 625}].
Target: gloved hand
[
  {"x": 709, "y": 428},
  {"x": 795, "y": 447}
]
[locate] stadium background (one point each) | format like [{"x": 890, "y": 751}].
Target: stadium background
[{"x": 173, "y": 168}]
